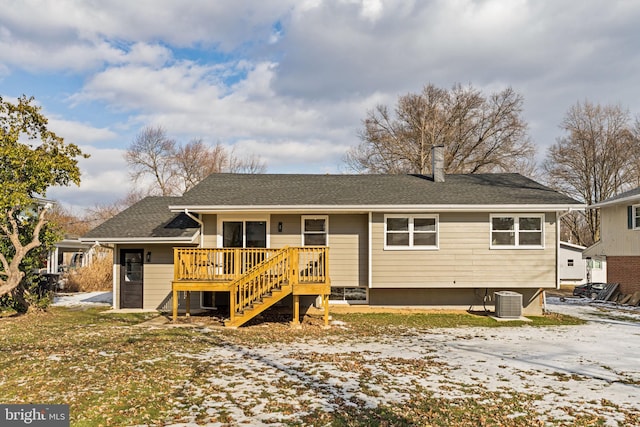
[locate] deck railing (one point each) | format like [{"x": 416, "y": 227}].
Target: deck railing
[
  {"x": 228, "y": 264},
  {"x": 261, "y": 280}
]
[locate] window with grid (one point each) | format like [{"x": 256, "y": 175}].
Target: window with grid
[
  {"x": 411, "y": 232},
  {"x": 523, "y": 231}
]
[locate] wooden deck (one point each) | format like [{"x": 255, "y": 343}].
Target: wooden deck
[{"x": 255, "y": 278}]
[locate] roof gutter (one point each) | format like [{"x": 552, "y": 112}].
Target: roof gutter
[
  {"x": 207, "y": 209},
  {"x": 199, "y": 221},
  {"x": 621, "y": 200},
  {"x": 142, "y": 240}
]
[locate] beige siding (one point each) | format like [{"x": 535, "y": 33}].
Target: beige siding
[
  {"x": 158, "y": 275},
  {"x": 464, "y": 258},
  {"x": 616, "y": 238},
  {"x": 347, "y": 245},
  {"x": 290, "y": 235},
  {"x": 210, "y": 238},
  {"x": 348, "y": 250}
]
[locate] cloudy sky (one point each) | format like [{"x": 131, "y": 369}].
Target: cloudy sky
[{"x": 291, "y": 80}]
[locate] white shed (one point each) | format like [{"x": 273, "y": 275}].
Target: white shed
[{"x": 574, "y": 270}]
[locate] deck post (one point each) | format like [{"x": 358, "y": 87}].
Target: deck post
[
  {"x": 325, "y": 302},
  {"x": 296, "y": 310},
  {"x": 175, "y": 305},
  {"x": 232, "y": 305},
  {"x": 188, "y": 303}
]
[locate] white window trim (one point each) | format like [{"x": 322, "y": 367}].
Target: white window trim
[
  {"x": 243, "y": 219},
  {"x": 636, "y": 220},
  {"x": 411, "y": 247},
  {"x": 516, "y": 230},
  {"x": 326, "y": 227},
  {"x": 350, "y": 302}
]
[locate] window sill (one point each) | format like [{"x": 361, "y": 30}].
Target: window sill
[
  {"x": 501, "y": 248},
  {"x": 411, "y": 248}
]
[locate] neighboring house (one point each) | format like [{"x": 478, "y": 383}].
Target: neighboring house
[
  {"x": 67, "y": 254},
  {"x": 619, "y": 240},
  {"x": 384, "y": 240},
  {"x": 575, "y": 270}
]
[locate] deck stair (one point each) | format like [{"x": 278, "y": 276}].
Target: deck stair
[{"x": 261, "y": 287}]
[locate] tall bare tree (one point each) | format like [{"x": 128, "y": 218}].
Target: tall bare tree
[
  {"x": 595, "y": 159},
  {"x": 176, "y": 168},
  {"x": 151, "y": 154},
  {"x": 480, "y": 133},
  {"x": 195, "y": 160}
]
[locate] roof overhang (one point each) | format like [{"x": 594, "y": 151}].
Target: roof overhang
[
  {"x": 594, "y": 250},
  {"x": 623, "y": 200},
  {"x": 573, "y": 246},
  {"x": 72, "y": 244},
  {"x": 140, "y": 240},
  {"x": 203, "y": 209}
]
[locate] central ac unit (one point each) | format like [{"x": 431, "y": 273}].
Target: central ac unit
[{"x": 508, "y": 304}]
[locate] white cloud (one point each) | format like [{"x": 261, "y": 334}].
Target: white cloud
[
  {"x": 80, "y": 133},
  {"x": 300, "y": 157},
  {"x": 80, "y": 35},
  {"x": 148, "y": 54},
  {"x": 104, "y": 179}
]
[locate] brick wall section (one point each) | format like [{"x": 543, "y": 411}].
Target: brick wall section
[{"x": 624, "y": 270}]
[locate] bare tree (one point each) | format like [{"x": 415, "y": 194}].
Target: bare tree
[
  {"x": 480, "y": 133},
  {"x": 249, "y": 164},
  {"x": 151, "y": 154},
  {"x": 596, "y": 159},
  {"x": 176, "y": 168},
  {"x": 68, "y": 222},
  {"x": 102, "y": 212}
]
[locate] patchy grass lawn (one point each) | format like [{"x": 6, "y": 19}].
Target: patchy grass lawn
[{"x": 367, "y": 370}]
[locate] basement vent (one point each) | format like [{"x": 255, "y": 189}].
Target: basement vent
[{"x": 508, "y": 304}]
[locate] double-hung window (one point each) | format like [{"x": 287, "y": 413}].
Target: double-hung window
[
  {"x": 517, "y": 231},
  {"x": 411, "y": 231},
  {"x": 635, "y": 210},
  {"x": 314, "y": 230}
]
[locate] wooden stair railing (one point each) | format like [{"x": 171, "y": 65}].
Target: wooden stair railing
[{"x": 262, "y": 286}]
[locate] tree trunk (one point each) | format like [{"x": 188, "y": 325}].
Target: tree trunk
[{"x": 18, "y": 295}]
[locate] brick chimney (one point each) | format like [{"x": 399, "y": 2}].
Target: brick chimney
[{"x": 437, "y": 163}]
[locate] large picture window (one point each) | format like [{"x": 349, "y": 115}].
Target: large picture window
[
  {"x": 521, "y": 231},
  {"x": 411, "y": 231}
]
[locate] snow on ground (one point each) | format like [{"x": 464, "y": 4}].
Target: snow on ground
[
  {"x": 564, "y": 371},
  {"x": 83, "y": 298}
]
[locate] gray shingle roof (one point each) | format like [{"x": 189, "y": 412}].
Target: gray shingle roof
[
  {"x": 363, "y": 190},
  {"x": 149, "y": 218}
]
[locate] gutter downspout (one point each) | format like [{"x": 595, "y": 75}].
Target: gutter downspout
[{"x": 199, "y": 221}]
